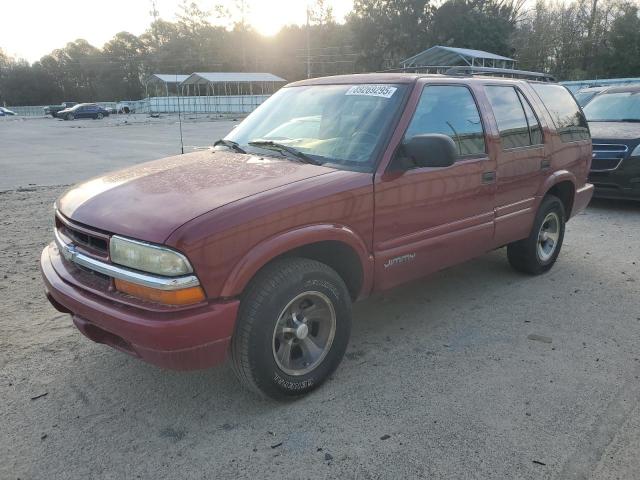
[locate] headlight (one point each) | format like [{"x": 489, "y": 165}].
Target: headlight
[
  {"x": 148, "y": 258},
  {"x": 636, "y": 151}
]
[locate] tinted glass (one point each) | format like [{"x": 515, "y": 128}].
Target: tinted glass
[
  {"x": 584, "y": 97},
  {"x": 564, "y": 111},
  {"x": 452, "y": 111},
  {"x": 535, "y": 131},
  {"x": 614, "y": 107},
  {"x": 339, "y": 125},
  {"x": 512, "y": 123}
]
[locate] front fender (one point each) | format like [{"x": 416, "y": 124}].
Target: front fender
[{"x": 284, "y": 242}]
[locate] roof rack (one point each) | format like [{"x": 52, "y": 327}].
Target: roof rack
[{"x": 502, "y": 72}]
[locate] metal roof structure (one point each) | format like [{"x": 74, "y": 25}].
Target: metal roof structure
[
  {"x": 440, "y": 56},
  {"x": 203, "y": 78},
  {"x": 166, "y": 78}
]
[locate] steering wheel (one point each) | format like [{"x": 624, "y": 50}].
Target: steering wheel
[{"x": 359, "y": 140}]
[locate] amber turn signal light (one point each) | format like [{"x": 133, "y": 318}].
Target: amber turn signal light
[{"x": 185, "y": 296}]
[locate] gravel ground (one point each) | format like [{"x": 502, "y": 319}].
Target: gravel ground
[
  {"x": 476, "y": 372},
  {"x": 48, "y": 151}
]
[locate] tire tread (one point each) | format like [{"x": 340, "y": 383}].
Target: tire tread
[{"x": 266, "y": 284}]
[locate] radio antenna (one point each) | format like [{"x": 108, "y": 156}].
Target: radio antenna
[{"x": 179, "y": 116}]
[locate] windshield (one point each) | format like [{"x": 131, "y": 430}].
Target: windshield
[
  {"x": 340, "y": 125},
  {"x": 614, "y": 107}
]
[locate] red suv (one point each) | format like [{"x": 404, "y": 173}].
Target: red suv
[{"x": 333, "y": 189}]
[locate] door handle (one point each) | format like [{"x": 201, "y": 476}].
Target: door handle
[
  {"x": 488, "y": 177},
  {"x": 544, "y": 164}
]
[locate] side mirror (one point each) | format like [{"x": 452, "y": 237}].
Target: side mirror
[{"x": 431, "y": 150}]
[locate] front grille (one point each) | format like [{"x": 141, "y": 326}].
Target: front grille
[
  {"x": 607, "y": 157},
  {"x": 92, "y": 242}
]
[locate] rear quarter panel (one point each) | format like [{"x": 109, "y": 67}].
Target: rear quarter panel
[{"x": 570, "y": 161}]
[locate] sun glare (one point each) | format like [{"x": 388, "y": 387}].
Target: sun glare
[{"x": 269, "y": 17}]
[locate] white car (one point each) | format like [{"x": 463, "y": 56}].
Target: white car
[{"x": 5, "y": 112}]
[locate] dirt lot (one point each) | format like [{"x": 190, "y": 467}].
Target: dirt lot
[{"x": 476, "y": 372}]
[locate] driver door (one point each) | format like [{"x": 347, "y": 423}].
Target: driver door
[{"x": 430, "y": 218}]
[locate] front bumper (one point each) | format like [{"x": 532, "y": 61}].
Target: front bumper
[
  {"x": 620, "y": 183},
  {"x": 175, "y": 338}
]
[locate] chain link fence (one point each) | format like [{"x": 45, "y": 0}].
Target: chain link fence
[{"x": 194, "y": 105}]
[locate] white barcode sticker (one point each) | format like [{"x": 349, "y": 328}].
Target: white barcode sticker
[{"x": 384, "y": 91}]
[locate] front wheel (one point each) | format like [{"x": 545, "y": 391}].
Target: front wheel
[
  {"x": 100, "y": 116},
  {"x": 537, "y": 253},
  {"x": 293, "y": 328},
  {"x": 69, "y": 116}
]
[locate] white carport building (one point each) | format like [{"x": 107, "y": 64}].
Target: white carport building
[
  {"x": 163, "y": 83},
  {"x": 231, "y": 83}
]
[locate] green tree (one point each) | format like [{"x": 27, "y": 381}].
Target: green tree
[
  {"x": 122, "y": 68},
  {"x": 623, "y": 56},
  {"x": 476, "y": 24},
  {"x": 387, "y": 31}
]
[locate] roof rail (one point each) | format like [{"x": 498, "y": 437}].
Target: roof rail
[{"x": 502, "y": 72}]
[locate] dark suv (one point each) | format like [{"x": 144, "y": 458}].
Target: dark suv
[{"x": 614, "y": 120}]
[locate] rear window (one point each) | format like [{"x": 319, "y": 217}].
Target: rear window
[{"x": 565, "y": 113}]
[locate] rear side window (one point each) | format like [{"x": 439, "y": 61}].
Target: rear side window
[
  {"x": 564, "y": 111},
  {"x": 510, "y": 116},
  {"x": 535, "y": 130},
  {"x": 449, "y": 110}
]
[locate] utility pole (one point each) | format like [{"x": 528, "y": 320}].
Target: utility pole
[
  {"x": 308, "y": 42},
  {"x": 154, "y": 11},
  {"x": 243, "y": 34}
]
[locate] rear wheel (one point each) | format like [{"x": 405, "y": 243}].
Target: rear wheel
[
  {"x": 293, "y": 328},
  {"x": 537, "y": 253},
  {"x": 99, "y": 116}
]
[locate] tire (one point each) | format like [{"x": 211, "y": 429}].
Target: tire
[
  {"x": 69, "y": 116},
  {"x": 99, "y": 116},
  {"x": 537, "y": 253},
  {"x": 270, "y": 349}
]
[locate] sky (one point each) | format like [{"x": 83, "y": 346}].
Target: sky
[{"x": 29, "y": 36}]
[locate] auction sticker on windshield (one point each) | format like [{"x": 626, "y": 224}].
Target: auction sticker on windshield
[{"x": 384, "y": 91}]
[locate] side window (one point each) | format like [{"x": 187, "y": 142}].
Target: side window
[
  {"x": 452, "y": 111},
  {"x": 510, "y": 116},
  {"x": 535, "y": 131},
  {"x": 565, "y": 112}
]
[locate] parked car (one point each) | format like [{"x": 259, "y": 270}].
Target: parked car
[
  {"x": 125, "y": 107},
  {"x": 54, "y": 109},
  {"x": 84, "y": 110},
  {"x": 5, "y": 112},
  {"x": 258, "y": 246},
  {"x": 585, "y": 95},
  {"x": 614, "y": 120}
]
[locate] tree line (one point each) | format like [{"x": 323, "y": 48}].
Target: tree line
[{"x": 571, "y": 39}]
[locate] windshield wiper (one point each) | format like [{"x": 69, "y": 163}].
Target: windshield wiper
[
  {"x": 229, "y": 144},
  {"x": 279, "y": 147}
]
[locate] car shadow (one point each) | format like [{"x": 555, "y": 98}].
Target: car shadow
[{"x": 603, "y": 204}]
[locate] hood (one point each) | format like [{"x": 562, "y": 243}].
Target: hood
[
  {"x": 614, "y": 130},
  {"x": 151, "y": 200}
]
